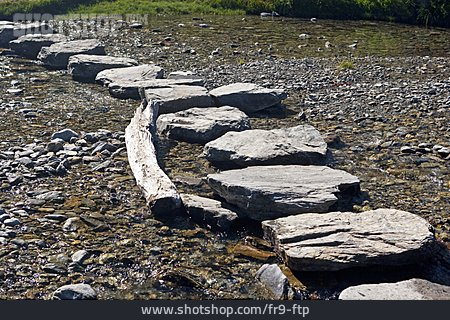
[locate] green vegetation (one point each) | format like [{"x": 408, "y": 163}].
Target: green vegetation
[
  {"x": 346, "y": 65},
  {"x": 157, "y": 7},
  {"x": 426, "y": 12}
]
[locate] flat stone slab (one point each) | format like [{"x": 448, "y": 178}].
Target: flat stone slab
[
  {"x": 86, "y": 67},
  {"x": 10, "y": 32},
  {"x": 178, "y": 98},
  {"x": 209, "y": 211},
  {"x": 30, "y": 45},
  {"x": 131, "y": 89},
  {"x": 248, "y": 97},
  {"x": 297, "y": 145},
  {"x": 340, "y": 240},
  {"x": 201, "y": 125},
  {"x": 268, "y": 192},
  {"x": 135, "y": 73},
  {"x": 57, "y": 55},
  {"x": 413, "y": 289}
]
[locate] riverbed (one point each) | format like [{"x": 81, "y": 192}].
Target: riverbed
[{"x": 371, "y": 88}]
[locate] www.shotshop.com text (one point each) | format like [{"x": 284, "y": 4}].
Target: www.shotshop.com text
[{"x": 268, "y": 309}]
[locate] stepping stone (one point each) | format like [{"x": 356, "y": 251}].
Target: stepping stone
[
  {"x": 268, "y": 192},
  {"x": 30, "y": 45},
  {"x": 179, "y": 98},
  {"x": 209, "y": 211},
  {"x": 136, "y": 73},
  {"x": 413, "y": 289},
  {"x": 340, "y": 240},
  {"x": 86, "y": 67},
  {"x": 247, "y": 97},
  {"x": 130, "y": 89},
  {"x": 182, "y": 75},
  {"x": 57, "y": 55},
  {"x": 297, "y": 145},
  {"x": 10, "y": 32},
  {"x": 201, "y": 125}
]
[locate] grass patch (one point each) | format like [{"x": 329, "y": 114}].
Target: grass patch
[
  {"x": 346, "y": 65},
  {"x": 156, "y": 7},
  {"x": 426, "y": 12}
]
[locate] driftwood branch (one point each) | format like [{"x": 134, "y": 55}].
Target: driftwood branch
[{"x": 159, "y": 191}]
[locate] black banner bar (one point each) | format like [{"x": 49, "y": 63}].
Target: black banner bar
[{"x": 141, "y": 310}]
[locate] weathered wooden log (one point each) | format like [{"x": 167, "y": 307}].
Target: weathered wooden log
[{"x": 159, "y": 191}]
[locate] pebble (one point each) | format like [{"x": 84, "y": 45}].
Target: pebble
[
  {"x": 80, "y": 256},
  {"x": 65, "y": 135},
  {"x": 12, "y": 222},
  {"x": 75, "y": 292}
]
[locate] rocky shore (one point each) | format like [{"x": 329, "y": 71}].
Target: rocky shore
[{"x": 68, "y": 194}]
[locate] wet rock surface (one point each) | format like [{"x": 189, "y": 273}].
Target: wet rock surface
[
  {"x": 265, "y": 192},
  {"x": 339, "y": 240},
  {"x": 297, "y": 145},
  {"x": 414, "y": 289},
  {"x": 201, "y": 125},
  {"x": 395, "y": 95}
]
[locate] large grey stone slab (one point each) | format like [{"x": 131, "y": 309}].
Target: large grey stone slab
[
  {"x": 267, "y": 192},
  {"x": 179, "y": 98},
  {"x": 248, "y": 97},
  {"x": 131, "y": 89},
  {"x": 130, "y": 74},
  {"x": 201, "y": 125},
  {"x": 339, "y": 240},
  {"x": 413, "y": 289},
  {"x": 297, "y": 145},
  {"x": 209, "y": 211},
  {"x": 10, "y": 32},
  {"x": 86, "y": 66},
  {"x": 30, "y": 45},
  {"x": 57, "y": 55}
]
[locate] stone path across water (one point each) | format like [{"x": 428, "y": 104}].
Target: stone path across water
[{"x": 306, "y": 241}]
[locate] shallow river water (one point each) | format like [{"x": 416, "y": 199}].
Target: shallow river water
[{"x": 376, "y": 86}]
